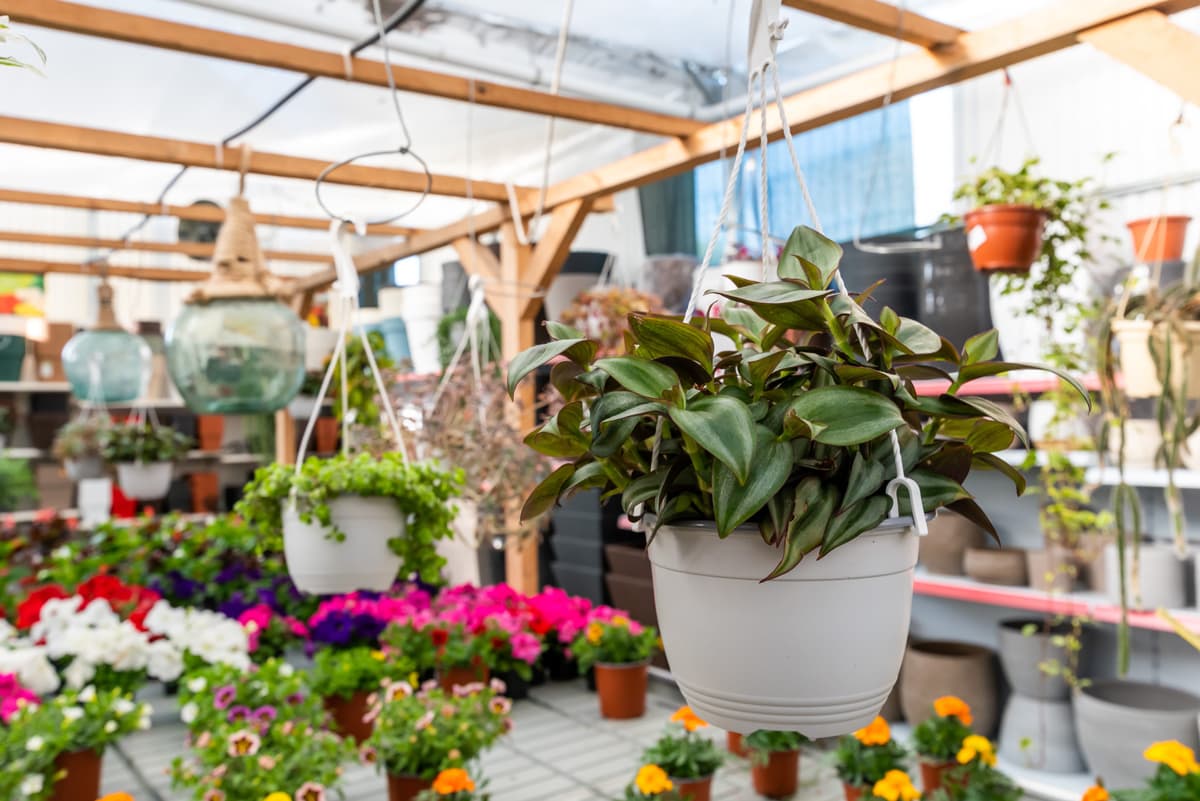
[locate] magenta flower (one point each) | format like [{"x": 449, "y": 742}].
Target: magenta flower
[
  {"x": 237, "y": 713},
  {"x": 224, "y": 696}
]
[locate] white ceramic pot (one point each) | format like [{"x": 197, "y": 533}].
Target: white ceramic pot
[
  {"x": 85, "y": 468},
  {"x": 144, "y": 481},
  {"x": 816, "y": 650},
  {"x": 302, "y": 407},
  {"x": 461, "y": 551},
  {"x": 94, "y": 501},
  {"x": 1139, "y": 376},
  {"x": 322, "y": 565},
  {"x": 1145, "y": 439},
  {"x": 318, "y": 345},
  {"x": 1161, "y": 576}
]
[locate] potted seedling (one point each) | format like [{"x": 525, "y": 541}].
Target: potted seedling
[
  {"x": 144, "y": 455},
  {"x": 775, "y": 762},
  {"x": 453, "y": 784},
  {"x": 939, "y": 739},
  {"x": 346, "y": 677},
  {"x": 79, "y": 444},
  {"x": 974, "y": 776},
  {"x": 619, "y": 649},
  {"x": 652, "y": 784},
  {"x": 351, "y": 523},
  {"x": 774, "y": 460},
  {"x": 17, "y": 485},
  {"x": 866, "y": 757},
  {"x": 688, "y": 757}
]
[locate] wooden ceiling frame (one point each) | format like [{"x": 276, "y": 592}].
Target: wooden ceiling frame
[
  {"x": 882, "y": 18},
  {"x": 44, "y": 266},
  {"x": 193, "y": 249}
]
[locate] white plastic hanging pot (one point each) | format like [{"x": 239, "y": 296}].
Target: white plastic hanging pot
[
  {"x": 322, "y": 565},
  {"x": 144, "y": 481},
  {"x": 816, "y": 650},
  {"x": 84, "y": 468},
  {"x": 1139, "y": 374}
]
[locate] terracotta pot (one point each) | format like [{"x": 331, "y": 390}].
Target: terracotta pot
[
  {"x": 348, "y": 714},
  {"x": 622, "y": 690},
  {"x": 206, "y": 490},
  {"x": 734, "y": 744},
  {"x": 1052, "y": 569},
  {"x": 326, "y": 433},
  {"x": 81, "y": 781},
  {"x": 997, "y": 566},
  {"x": 210, "y": 432},
  {"x": 853, "y": 793},
  {"x": 1004, "y": 238},
  {"x": 405, "y": 788},
  {"x": 694, "y": 789},
  {"x": 1158, "y": 239},
  {"x": 934, "y": 669},
  {"x": 932, "y": 773},
  {"x": 779, "y": 777},
  {"x": 950, "y": 535},
  {"x": 448, "y": 678}
]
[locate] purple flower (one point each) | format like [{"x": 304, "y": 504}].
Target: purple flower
[
  {"x": 295, "y": 698},
  {"x": 237, "y": 713},
  {"x": 265, "y": 714},
  {"x": 224, "y": 696}
]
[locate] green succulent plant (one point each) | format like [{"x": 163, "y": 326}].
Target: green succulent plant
[{"x": 790, "y": 430}]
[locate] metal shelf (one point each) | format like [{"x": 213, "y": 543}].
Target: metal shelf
[{"x": 26, "y": 387}]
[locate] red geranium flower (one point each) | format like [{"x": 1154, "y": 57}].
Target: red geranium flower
[
  {"x": 439, "y": 636},
  {"x": 31, "y": 608},
  {"x": 110, "y": 588}
]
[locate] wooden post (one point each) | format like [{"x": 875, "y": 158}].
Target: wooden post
[{"x": 285, "y": 437}]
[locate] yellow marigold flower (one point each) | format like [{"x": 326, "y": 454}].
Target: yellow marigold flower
[
  {"x": 949, "y": 705},
  {"x": 652, "y": 780},
  {"x": 1095, "y": 793},
  {"x": 877, "y": 732},
  {"x": 620, "y": 620},
  {"x": 690, "y": 720},
  {"x": 378, "y": 655},
  {"x": 594, "y": 632},
  {"x": 453, "y": 780},
  {"x": 278, "y": 796},
  {"x": 896, "y": 786},
  {"x": 1175, "y": 755},
  {"x": 977, "y": 747}
]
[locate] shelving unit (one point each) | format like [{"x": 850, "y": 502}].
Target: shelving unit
[
  {"x": 1033, "y": 384},
  {"x": 27, "y": 387}
]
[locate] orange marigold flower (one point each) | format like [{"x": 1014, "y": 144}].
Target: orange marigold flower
[
  {"x": 1175, "y": 755},
  {"x": 895, "y": 786},
  {"x": 877, "y": 732},
  {"x": 952, "y": 705},
  {"x": 453, "y": 780},
  {"x": 117, "y": 797},
  {"x": 652, "y": 780},
  {"x": 1095, "y": 793},
  {"x": 690, "y": 720}
]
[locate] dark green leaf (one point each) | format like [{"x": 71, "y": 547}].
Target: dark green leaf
[
  {"x": 527, "y": 361},
  {"x": 722, "y": 426},
  {"x": 936, "y": 491},
  {"x": 562, "y": 378},
  {"x": 996, "y": 463},
  {"x": 819, "y": 251},
  {"x": 587, "y": 476},
  {"x": 642, "y": 489},
  {"x": 918, "y": 338},
  {"x": 771, "y": 293},
  {"x": 814, "y": 503},
  {"x": 981, "y": 347},
  {"x": 607, "y": 438},
  {"x": 969, "y": 372},
  {"x": 646, "y": 378},
  {"x": 972, "y": 511},
  {"x": 998, "y": 413},
  {"x": 660, "y": 336},
  {"x": 545, "y": 495},
  {"x": 562, "y": 331},
  {"x": 990, "y": 436},
  {"x": 734, "y": 503},
  {"x": 852, "y": 521},
  {"x": 866, "y": 478},
  {"x": 849, "y": 415}
]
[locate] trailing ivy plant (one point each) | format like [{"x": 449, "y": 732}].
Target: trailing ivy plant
[
  {"x": 143, "y": 442},
  {"x": 421, "y": 492},
  {"x": 790, "y": 430}
]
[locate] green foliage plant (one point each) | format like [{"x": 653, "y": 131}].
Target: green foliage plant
[
  {"x": 7, "y": 34},
  {"x": 362, "y": 396},
  {"x": 143, "y": 443},
  {"x": 616, "y": 642},
  {"x": 17, "y": 484},
  {"x": 862, "y": 761},
  {"x": 683, "y": 752},
  {"x": 976, "y": 781},
  {"x": 422, "y": 492},
  {"x": 342, "y": 672},
  {"x": 790, "y": 430},
  {"x": 81, "y": 438},
  {"x": 762, "y": 743},
  {"x": 940, "y": 737}
]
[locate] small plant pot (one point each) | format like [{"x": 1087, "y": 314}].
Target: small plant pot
[
  {"x": 81, "y": 776},
  {"x": 206, "y": 491},
  {"x": 348, "y": 715},
  {"x": 1161, "y": 576},
  {"x": 1004, "y": 238},
  {"x": 950, "y": 535},
  {"x": 1052, "y": 569},
  {"x": 321, "y": 565},
  {"x": 1139, "y": 375},
  {"x": 210, "y": 432},
  {"x": 694, "y": 789},
  {"x": 406, "y": 788},
  {"x": 936, "y": 668},
  {"x": 144, "y": 482},
  {"x": 622, "y": 690},
  {"x": 779, "y": 777},
  {"x": 1040, "y": 735},
  {"x": 326, "y": 434},
  {"x": 1158, "y": 239},
  {"x": 450, "y": 677},
  {"x": 853, "y": 792},
  {"x": 932, "y": 775},
  {"x": 84, "y": 468},
  {"x": 734, "y": 744},
  {"x": 1005, "y": 566}
]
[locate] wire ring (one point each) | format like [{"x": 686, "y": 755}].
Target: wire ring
[{"x": 404, "y": 151}]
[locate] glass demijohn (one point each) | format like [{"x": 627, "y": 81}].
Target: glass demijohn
[{"x": 107, "y": 364}]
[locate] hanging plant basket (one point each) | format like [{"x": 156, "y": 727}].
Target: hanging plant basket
[
  {"x": 1139, "y": 371},
  {"x": 787, "y": 671},
  {"x": 1158, "y": 239},
  {"x": 144, "y": 481},
  {"x": 1005, "y": 238},
  {"x": 323, "y": 563}
]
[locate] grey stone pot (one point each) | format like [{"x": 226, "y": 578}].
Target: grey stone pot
[
  {"x": 950, "y": 535},
  {"x": 1005, "y": 566},
  {"x": 1117, "y": 720},
  {"x": 1021, "y": 655},
  {"x": 1048, "y": 729},
  {"x": 936, "y": 668},
  {"x": 1161, "y": 575}
]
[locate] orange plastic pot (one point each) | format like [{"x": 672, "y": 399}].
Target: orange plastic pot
[
  {"x": 448, "y": 678},
  {"x": 622, "y": 690},
  {"x": 1158, "y": 239},
  {"x": 348, "y": 714},
  {"x": 327, "y": 432},
  {"x": 694, "y": 789},
  {"x": 81, "y": 776},
  {"x": 210, "y": 431},
  {"x": 406, "y": 788},
  {"x": 853, "y": 793},
  {"x": 734, "y": 744},
  {"x": 932, "y": 774},
  {"x": 1004, "y": 238},
  {"x": 779, "y": 777}
]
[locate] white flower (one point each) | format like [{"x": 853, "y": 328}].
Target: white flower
[
  {"x": 88, "y": 694},
  {"x": 7, "y": 631},
  {"x": 123, "y": 706},
  {"x": 286, "y": 670},
  {"x": 32, "y": 784},
  {"x": 62, "y": 552},
  {"x": 110, "y": 727},
  {"x": 188, "y": 712},
  {"x": 197, "y": 684},
  {"x": 72, "y": 713},
  {"x": 34, "y": 743},
  {"x": 164, "y": 661},
  {"x": 31, "y": 666},
  {"x": 144, "y": 722},
  {"x": 79, "y": 673}
]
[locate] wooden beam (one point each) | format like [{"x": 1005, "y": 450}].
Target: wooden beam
[
  {"x": 202, "y": 213},
  {"x": 974, "y": 53},
  {"x": 884, "y": 18},
  {"x": 136, "y": 29},
  {"x": 197, "y": 249},
  {"x": 550, "y": 253},
  {"x": 1156, "y": 47},
  {"x": 478, "y": 260},
  {"x": 42, "y": 266},
  {"x": 99, "y": 142}
]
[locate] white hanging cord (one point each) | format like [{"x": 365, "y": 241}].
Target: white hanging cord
[
  {"x": 764, "y": 214},
  {"x": 560, "y": 57},
  {"x": 791, "y": 148}
]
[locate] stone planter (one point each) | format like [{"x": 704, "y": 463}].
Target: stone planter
[
  {"x": 694, "y": 789},
  {"x": 779, "y": 777},
  {"x": 1160, "y": 574},
  {"x": 622, "y": 690},
  {"x": 934, "y": 669},
  {"x": 1005, "y": 566},
  {"x": 1021, "y": 654},
  {"x": 1051, "y": 569},
  {"x": 1117, "y": 720},
  {"x": 950, "y": 535},
  {"x": 1040, "y": 734}
]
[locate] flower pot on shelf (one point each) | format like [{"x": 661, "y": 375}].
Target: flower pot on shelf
[
  {"x": 1040, "y": 735},
  {"x": 81, "y": 776},
  {"x": 937, "y": 668},
  {"x": 707, "y": 588},
  {"x": 622, "y": 690},
  {"x": 1021, "y": 655},
  {"x": 932, "y": 774},
  {"x": 206, "y": 491},
  {"x": 950, "y": 535},
  {"x": 1161, "y": 576},
  {"x": 406, "y": 788},
  {"x": 1117, "y": 720},
  {"x": 694, "y": 789},
  {"x": 1158, "y": 239},
  {"x": 1051, "y": 569},
  {"x": 210, "y": 432},
  {"x": 1139, "y": 375},
  {"x": 84, "y": 468},
  {"x": 461, "y": 675},
  {"x": 326, "y": 433},
  {"x": 1004, "y": 238},
  {"x": 144, "y": 481},
  {"x": 1145, "y": 439},
  {"x": 734, "y": 744},
  {"x": 1004, "y": 566},
  {"x": 321, "y": 565},
  {"x": 349, "y": 715},
  {"x": 779, "y": 777}
]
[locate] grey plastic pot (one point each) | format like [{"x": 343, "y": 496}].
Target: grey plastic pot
[
  {"x": 1021, "y": 655},
  {"x": 84, "y": 468},
  {"x": 1052, "y": 569},
  {"x": 1117, "y": 720},
  {"x": 1161, "y": 576},
  {"x": 1040, "y": 734},
  {"x": 747, "y": 655},
  {"x": 937, "y": 668},
  {"x": 950, "y": 535}
]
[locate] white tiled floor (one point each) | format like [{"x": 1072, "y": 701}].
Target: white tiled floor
[{"x": 560, "y": 749}]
